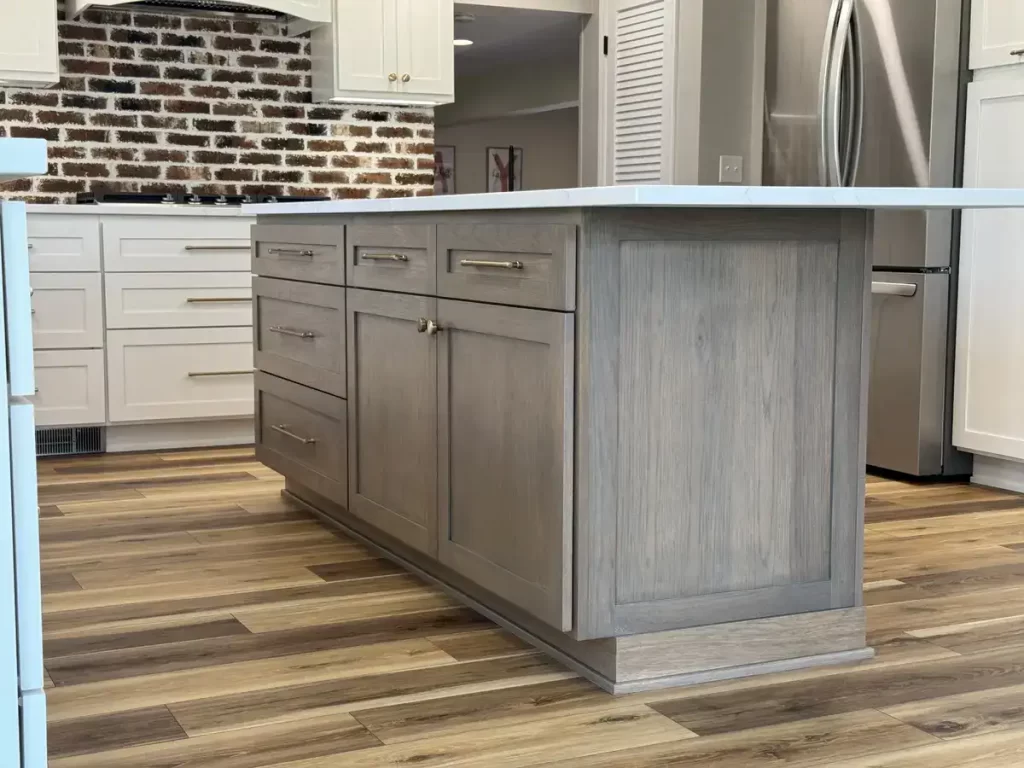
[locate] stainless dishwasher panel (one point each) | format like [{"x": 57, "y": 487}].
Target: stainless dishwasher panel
[{"x": 907, "y": 390}]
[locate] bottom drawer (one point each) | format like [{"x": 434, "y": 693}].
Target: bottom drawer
[
  {"x": 70, "y": 388},
  {"x": 179, "y": 373},
  {"x": 303, "y": 434}
]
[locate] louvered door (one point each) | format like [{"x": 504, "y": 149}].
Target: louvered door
[{"x": 642, "y": 56}]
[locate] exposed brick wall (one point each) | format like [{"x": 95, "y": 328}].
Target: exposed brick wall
[{"x": 153, "y": 103}]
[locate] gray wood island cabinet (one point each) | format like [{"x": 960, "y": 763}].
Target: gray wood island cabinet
[{"x": 631, "y": 432}]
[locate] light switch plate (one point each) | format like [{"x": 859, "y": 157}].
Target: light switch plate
[{"x": 730, "y": 169}]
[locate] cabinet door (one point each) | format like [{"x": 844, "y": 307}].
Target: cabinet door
[
  {"x": 365, "y": 56},
  {"x": 67, "y": 310},
  {"x": 505, "y": 412},
  {"x": 28, "y": 43},
  {"x": 392, "y": 415},
  {"x": 997, "y": 33},
  {"x": 426, "y": 54},
  {"x": 988, "y": 411}
]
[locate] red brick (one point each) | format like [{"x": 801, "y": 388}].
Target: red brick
[
  {"x": 306, "y": 161},
  {"x": 126, "y": 69},
  {"x": 351, "y": 193},
  {"x": 225, "y": 43},
  {"x": 395, "y": 162},
  {"x": 34, "y": 98},
  {"x": 414, "y": 178},
  {"x": 162, "y": 88},
  {"x": 234, "y": 142},
  {"x": 289, "y": 177},
  {"x": 61, "y": 185},
  {"x": 392, "y": 132},
  {"x": 328, "y": 177},
  {"x": 165, "y": 123},
  {"x": 65, "y": 152},
  {"x": 348, "y": 161},
  {"x": 393, "y": 193},
  {"x": 110, "y": 120},
  {"x": 89, "y": 170},
  {"x": 425, "y": 164},
  {"x": 113, "y": 153},
  {"x": 188, "y": 139},
  {"x": 419, "y": 149},
  {"x": 16, "y": 115},
  {"x": 377, "y": 177},
  {"x": 85, "y": 67},
  {"x": 235, "y": 109},
  {"x": 284, "y": 142},
  {"x": 370, "y": 146},
  {"x": 186, "y": 107},
  {"x": 188, "y": 173},
  {"x": 210, "y": 91},
  {"x": 414, "y": 117},
  {"x": 138, "y": 137},
  {"x": 206, "y": 157},
  {"x": 87, "y": 134},
  {"x": 164, "y": 155},
  {"x": 138, "y": 171},
  {"x": 234, "y": 174},
  {"x": 82, "y": 32},
  {"x": 326, "y": 145},
  {"x": 258, "y": 62},
  {"x": 259, "y": 158},
  {"x": 157, "y": 22}
]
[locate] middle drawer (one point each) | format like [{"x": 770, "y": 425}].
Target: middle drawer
[
  {"x": 178, "y": 299},
  {"x": 299, "y": 331}
]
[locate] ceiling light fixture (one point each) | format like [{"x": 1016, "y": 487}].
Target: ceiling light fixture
[{"x": 463, "y": 41}]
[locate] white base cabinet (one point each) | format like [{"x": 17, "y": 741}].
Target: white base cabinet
[
  {"x": 67, "y": 310},
  {"x": 988, "y": 412},
  {"x": 71, "y": 388}
]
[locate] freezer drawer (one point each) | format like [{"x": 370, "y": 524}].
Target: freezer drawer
[{"x": 907, "y": 389}]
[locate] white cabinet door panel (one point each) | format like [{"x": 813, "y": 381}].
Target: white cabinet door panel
[
  {"x": 997, "y": 33},
  {"x": 178, "y": 299},
  {"x": 426, "y": 54},
  {"x": 67, "y": 310},
  {"x": 59, "y": 243},
  {"x": 71, "y": 388},
  {"x": 988, "y": 414},
  {"x": 28, "y": 43},
  {"x": 365, "y": 55},
  {"x": 180, "y": 373}
]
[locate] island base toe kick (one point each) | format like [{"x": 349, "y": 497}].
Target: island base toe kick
[{"x": 635, "y": 437}]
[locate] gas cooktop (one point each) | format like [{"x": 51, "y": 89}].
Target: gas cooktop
[{"x": 122, "y": 198}]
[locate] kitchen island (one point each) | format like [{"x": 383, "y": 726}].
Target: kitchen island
[{"x": 626, "y": 423}]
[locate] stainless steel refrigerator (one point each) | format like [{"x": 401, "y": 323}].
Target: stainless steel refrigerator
[{"x": 870, "y": 93}]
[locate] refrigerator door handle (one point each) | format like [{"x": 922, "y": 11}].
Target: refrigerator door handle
[
  {"x": 834, "y": 99},
  {"x": 893, "y": 289},
  {"x": 852, "y": 164},
  {"x": 824, "y": 95}
]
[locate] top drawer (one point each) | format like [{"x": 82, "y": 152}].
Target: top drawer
[
  {"x": 176, "y": 244},
  {"x": 528, "y": 265},
  {"x": 311, "y": 253},
  {"x": 395, "y": 257},
  {"x": 69, "y": 243}
]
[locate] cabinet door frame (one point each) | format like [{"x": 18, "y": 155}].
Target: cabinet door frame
[
  {"x": 985, "y": 57},
  {"x": 555, "y": 329},
  {"x": 90, "y": 334},
  {"x": 402, "y": 307},
  {"x": 409, "y": 36},
  {"x": 371, "y": 86},
  {"x": 39, "y": 67}
]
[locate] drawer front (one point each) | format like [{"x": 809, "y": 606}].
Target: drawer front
[
  {"x": 399, "y": 257},
  {"x": 179, "y": 373},
  {"x": 303, "y": 433},
  {"x": 528, "y": 265},
  {"x": 67, "y": 310},
  {"x": 178, "y": 299},
  {"x": 299, "y": 332},
  {"x": 176, "y": 244},
  {"x": 71, "y": 388},
  {"x": 314, "y": 254},
  {"x": 63, "y": 243}
]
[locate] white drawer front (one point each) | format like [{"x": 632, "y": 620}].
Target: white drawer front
[
  {"x": 178, "y": 299},
  {"x": 63, "y": 243},
  {"x": 180, "y": 373},
  {"x": 71, "y": 388},
  {"x": 67, "y": 310},
  {"x": 176, "y": 244}
]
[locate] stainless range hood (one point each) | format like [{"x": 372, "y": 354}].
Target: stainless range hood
[{"x": 311, "y": 11}]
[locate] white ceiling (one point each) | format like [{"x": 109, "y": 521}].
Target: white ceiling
[{"x": 502, "y": 35}]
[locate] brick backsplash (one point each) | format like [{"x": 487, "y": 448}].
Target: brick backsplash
[{"x": 153, "y": 102}]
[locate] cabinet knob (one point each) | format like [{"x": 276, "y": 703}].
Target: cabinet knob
[
  {"x": 421, "y": 325},
  {"x": 433, "y": 328},
  {"x": 393, "y": 76},
  {"x": 406, "y": 78}
]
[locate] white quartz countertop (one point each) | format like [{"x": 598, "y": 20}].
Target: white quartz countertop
[
  {"x": 20, "y": 158},
  {"x": 670, "y": 197},
  {"x": 141, "y": 209}
]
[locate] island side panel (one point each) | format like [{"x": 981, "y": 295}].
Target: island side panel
[{"x": 707, "y": 362}]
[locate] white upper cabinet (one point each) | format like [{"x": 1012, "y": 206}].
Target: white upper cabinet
[
  {"x": 386, "y": 52},
  {"x": 28, "y": 43},
  {"x": 997, "y": 33},
  {"x": 988, "y": 410}
]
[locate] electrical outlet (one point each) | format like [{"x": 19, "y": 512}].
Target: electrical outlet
[{"x": 730, "y": 169}]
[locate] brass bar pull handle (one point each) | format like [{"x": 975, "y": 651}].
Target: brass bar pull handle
[
  {"x": 218, "y": 247},
  {"x": 283, "y": 430},
  {"x": 305, "y": 253},
  {"x": 384, "y": 257},
  {"x": 205, "y": 374},
  {"x": 492, "y": 264},
  {"x": 215, "y": 299},
  {"x": 292, "y": 332},
  {"x": 1018, "y": 52},
  {"x": 893, "y": 289}
]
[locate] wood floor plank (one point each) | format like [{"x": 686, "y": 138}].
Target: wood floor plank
[
  {"x": 954, "y": 609},
  {"x": 228, "y": 641},
  {"x": 965, "y": 714},
  {"x": 261, "y": 678},
  {"x": 354, "y": 569},
  {"x": 90, "y": 735},
  {"x": 50, "y": 510},
  {"x": 218, "y": 713},
  {"x": 997, "y": 750},
  {"x": 334, "y": 736},
  {"x": 59, "y": 580},
  {"x": 485, "y": 644}
]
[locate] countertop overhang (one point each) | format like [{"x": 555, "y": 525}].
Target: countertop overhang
[
  {"x": 138, "y": 209},
  {"x": 20, "y": 158},
  {"x": 670, "y": 197}
]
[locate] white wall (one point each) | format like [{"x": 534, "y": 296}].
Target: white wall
[{"x": 550, "y": 142}]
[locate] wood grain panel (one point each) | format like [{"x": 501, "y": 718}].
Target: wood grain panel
[{"x": 107, "y": 732}]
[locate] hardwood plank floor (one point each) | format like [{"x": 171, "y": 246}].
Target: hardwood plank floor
[{"x": 192, "y": 617}]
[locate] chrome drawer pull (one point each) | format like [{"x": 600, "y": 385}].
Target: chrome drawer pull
[
  {"x": 384, "y": 257},
  {"x": 893, "y": 289},
  {"x": 214, "y": 299},
  {"x": 283, "y": 429},
  {"x": 494, "y": 264},
  {"x": 305, "y": 253},
  {"x": 204, "y": 374},
  {"x": 218, "y": 247},
  {"x": 1018, "y": 52},
  {"x": 292, "y": 332}
]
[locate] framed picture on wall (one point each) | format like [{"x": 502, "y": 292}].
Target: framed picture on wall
[
  {"x": 504, "y": 169},
  {"x": 444, "y": 170}
]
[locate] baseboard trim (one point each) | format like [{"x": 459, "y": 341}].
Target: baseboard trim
[
  {"x": 999, "y": 473},
  {"x": 602, "y": 654},
  {"x": 165, "y": 436}
]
